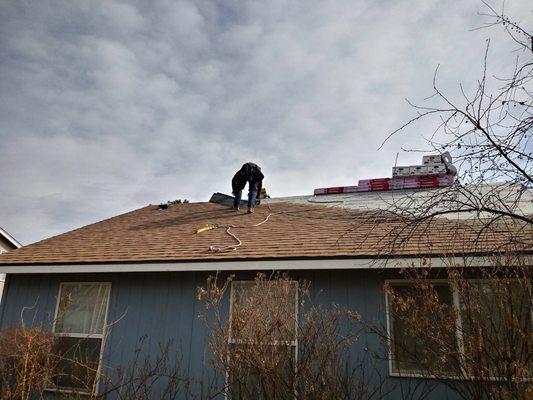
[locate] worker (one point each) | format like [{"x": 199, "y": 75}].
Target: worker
[{"x": 250, "y": 173}]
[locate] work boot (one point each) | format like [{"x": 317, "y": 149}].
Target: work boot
[
  {"x": 250, "y": 210},
  {"x": 236, "y": 208}
]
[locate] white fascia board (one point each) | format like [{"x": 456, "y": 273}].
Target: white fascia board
[
  {"x": 10, "y": 238},
  {"x": 249, "y": 265}
]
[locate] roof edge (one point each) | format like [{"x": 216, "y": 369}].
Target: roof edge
[
  {"x": 10, "y": 238},
  {"x": 251, "y": 265}
]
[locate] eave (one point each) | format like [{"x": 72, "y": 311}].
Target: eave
[{"x": 252, "y": 265}]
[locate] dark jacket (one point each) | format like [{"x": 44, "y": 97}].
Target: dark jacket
[{"x": 250, "y": 173}]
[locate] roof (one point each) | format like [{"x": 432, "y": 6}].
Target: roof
[
  {"x": 9, "y": 239},
  {"x": 277, "y": 230},
  {"x": 507, "y": 196}
]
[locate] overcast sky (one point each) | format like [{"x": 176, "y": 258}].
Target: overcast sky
[{"x": 109, "y": 106}]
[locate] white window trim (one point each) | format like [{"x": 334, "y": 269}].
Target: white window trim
[
  {"x": 292, "y": 343},
  {"x": 408, "y": 374},
  {"x": 458, "y": 334},
  {"x": 101, "y": 336}
]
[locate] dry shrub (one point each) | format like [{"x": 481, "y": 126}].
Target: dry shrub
[
  {"x": 471, "y": 330},
  {"x": 156, "y": 374},
  {"x": 25, "y": 362},
  {"x": 31, "y": 363},
  {"x": 423, "y": 328},
  {"x": 278, "y": 345}
]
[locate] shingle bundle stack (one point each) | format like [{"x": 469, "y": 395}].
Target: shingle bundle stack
[
  {"x": 436, "y": 171},
  {"x": 366, "y": 185},
  {"x": 337, "y": 190},
  {"x": 432, "y": 165}
]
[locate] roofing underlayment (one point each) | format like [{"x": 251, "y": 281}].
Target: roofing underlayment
[
  {"x": 349, "y": 225},
  {"x": 515, "y": 199}
]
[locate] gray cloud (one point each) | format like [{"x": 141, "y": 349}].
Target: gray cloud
[{"x": 108, "y": 106}]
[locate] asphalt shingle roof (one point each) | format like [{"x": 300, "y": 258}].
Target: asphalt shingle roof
[{"x": 151, "y": 234}]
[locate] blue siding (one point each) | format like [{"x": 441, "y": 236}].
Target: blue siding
[{"x": 163, "y": 306}]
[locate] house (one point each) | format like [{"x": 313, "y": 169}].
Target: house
[
  {"x": 134, "y": 277},
  {"x": 7, "y": 243}
]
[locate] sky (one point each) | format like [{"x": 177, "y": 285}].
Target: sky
[{"x": 107, "y": 106}]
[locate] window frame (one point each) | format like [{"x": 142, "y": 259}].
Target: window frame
[
  {"x": 390, "y": 355},
  {"x": 292, "y": 343},
  {"x": 101, "y": 336},
  {"x": 456, "y": 303}
]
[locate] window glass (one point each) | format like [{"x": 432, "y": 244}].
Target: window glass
[
  {"x": 274, "y": 376},
  {"x": 263, "y": 339},
  {"x": 78, "y": 361},
  {"x": 419, "y": 343},
  {"x": 496, "y": 321},
  {"x": 271, "y": 306},
  {"x": 79, "y": 327},
  {"x": 82, "y": 308}
]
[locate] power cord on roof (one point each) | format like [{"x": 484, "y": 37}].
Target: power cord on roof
[
  {"x": 218, "y": 249},
  {"x": 324, "y": 202}
]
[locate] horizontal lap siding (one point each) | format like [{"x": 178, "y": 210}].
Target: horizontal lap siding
[{"x": 162, "y": 307}]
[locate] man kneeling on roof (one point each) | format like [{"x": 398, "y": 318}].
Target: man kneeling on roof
[{"x": 250, "y": 173}]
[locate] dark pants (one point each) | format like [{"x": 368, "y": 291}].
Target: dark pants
[{"x": 252, "y": 195}]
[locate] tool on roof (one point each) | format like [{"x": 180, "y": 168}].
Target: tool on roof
[
  {"x": 436, "y": 171},
  {"x": 263, "y": 194},
  {"x": 164, "y": 206},
  {"x": 206, "y": 228}
]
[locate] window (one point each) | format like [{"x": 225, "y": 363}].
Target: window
[
  {"x": 79, "y": 325},
  {"x": 418, "y": 344},
  {"x": 496, "y": 329},
  {"x": 263, "y": 339},
  {"x": 468, "y": 329}
]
